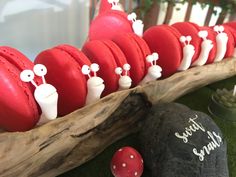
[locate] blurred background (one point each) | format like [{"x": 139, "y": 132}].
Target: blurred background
[{"x": 34, "y": 25}]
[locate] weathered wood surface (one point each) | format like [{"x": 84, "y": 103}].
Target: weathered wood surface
[{"x": 70, "y": 141}]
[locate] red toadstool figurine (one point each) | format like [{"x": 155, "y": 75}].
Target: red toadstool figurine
[{"x": 127, "y": 162}]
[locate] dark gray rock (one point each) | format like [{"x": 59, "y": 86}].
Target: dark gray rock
[{"x": 179, "y": 142}]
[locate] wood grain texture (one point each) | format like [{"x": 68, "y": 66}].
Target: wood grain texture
[{"x": 72, "y": 140}]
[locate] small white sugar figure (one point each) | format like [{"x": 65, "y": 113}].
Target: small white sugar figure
[
  {"x": 125, "y": 81},
  {"x": 206, "y": 48},
  {"x": 137, "y": 24},
  {"x": 45, "y": 94},
  {"x": 115, "y": 5},
  {"x": 154, "y": 71},
  {"x": 221, "y": 41},
  {"x": 188, "y": 52},
  {"x": 95, "y": 84}
]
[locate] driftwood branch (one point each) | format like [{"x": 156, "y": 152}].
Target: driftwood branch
[{"x": 70, "y": 141}]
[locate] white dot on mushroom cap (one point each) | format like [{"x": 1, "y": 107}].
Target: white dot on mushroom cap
[
  {"x": 123, "y": 164},
  {"x": 131, "y": 156},
  {"x": 136, "y": 173},
  {"x": 142, "y": 160},
  {"x": 114, "y": 167},
  {"x": 120, "y": 150}
]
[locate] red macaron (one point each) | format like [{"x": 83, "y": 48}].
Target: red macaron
[
  {"x": 136, "y": 50},
  {"x": 188, "y": 29},
  {"x": 230, "y": 43},
  {"x": 211, "y": 36},
  {"x": 165, "y": 40},
  {"x": 192, "y": 29},
  {"x": 232, "y": 24},
  {"x": 108, "y": 24},
  {"x": 104, "y": 6},
  {"x": 18, "y": 110},
  {"x": 232, "y": 30},
  {"x": 108, "y": 56},
  {"x": 64, "y": 63}
]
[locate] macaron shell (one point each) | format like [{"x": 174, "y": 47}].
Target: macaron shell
[
  {"x": 108, "y": 24},
  {"x": 188, "y": 29},
  {"x": 233, "y": 33},
  {"x": 16, "y": 58},
  {"x": 134, "y": 56},
  {"x": 104, "y": 6},
  {"x": 230, "y": 44},
  {"x": 99, "y": 53},
  {"x": 119, "y": 56},
  {"x": 144, "y": 49},
  {"x": 20, "y": 61},
  {"x": 18, "y": 110},
  {"x": 75, "y": 53},
  {"x": 231, "y": 24},
  {"x": 64, "y": 73},
  {"x": 165, "y": 42}
]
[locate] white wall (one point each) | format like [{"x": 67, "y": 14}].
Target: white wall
[
  {"x": 34, "y": 25},
  {"x": 198, "y": 14}
]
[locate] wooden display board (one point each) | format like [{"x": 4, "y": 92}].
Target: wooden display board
[{"x": 72, "y": 140}]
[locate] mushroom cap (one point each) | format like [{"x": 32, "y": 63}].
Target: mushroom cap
[{"x": 127, "y": 162}]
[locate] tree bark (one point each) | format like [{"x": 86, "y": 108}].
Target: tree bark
[
  {"x": 72, "y": 140},
  {"x": 151, "y": 17}
]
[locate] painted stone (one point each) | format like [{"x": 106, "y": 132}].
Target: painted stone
[{"x": 179, "y": 142}]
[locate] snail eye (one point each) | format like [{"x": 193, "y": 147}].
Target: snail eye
[
  {"x": 221, "y": 28},
  {"x": 40, "y": 70},
  {"x": 150, "y": 58},
  {"x": 27, "y": 76},
  {"x": 126, "y": 67},
  {"x": 85, "y": 70},
  {"x": 118, "y": 70},
  {"x": 94, "y": 67},
  {"x": 188, "y": 38},
  {"x": 155, "y": 56}
]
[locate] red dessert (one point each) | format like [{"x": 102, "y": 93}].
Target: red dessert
[
  {"x": 192, "y": 29},
  {"x": 165, "y": 40},
  {"x": 231, "y": 24},
  {"x": 230, "y": 43},
  {"x": 108, "y": 56},
  {"x": 136, "y": 51},
  {"x": 64, "y": 63},
  {"x": 18, "y": 110},
  {"x": 186, "y": 28},
  {"x": 232, "y": 30},
  {"x": 211, "y": 36},
  {"x": 109, "y": 24}
]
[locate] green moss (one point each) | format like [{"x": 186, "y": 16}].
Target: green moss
[{"x": 226, "y": 98}]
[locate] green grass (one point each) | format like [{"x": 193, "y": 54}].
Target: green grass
[{"x": 198, "y": 100}]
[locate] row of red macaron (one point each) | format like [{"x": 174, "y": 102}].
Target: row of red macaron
[
  {"x": 69, "y": 72},
  {"x": 125, "y": 54},
  {"x": 164, "y": 49}
]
